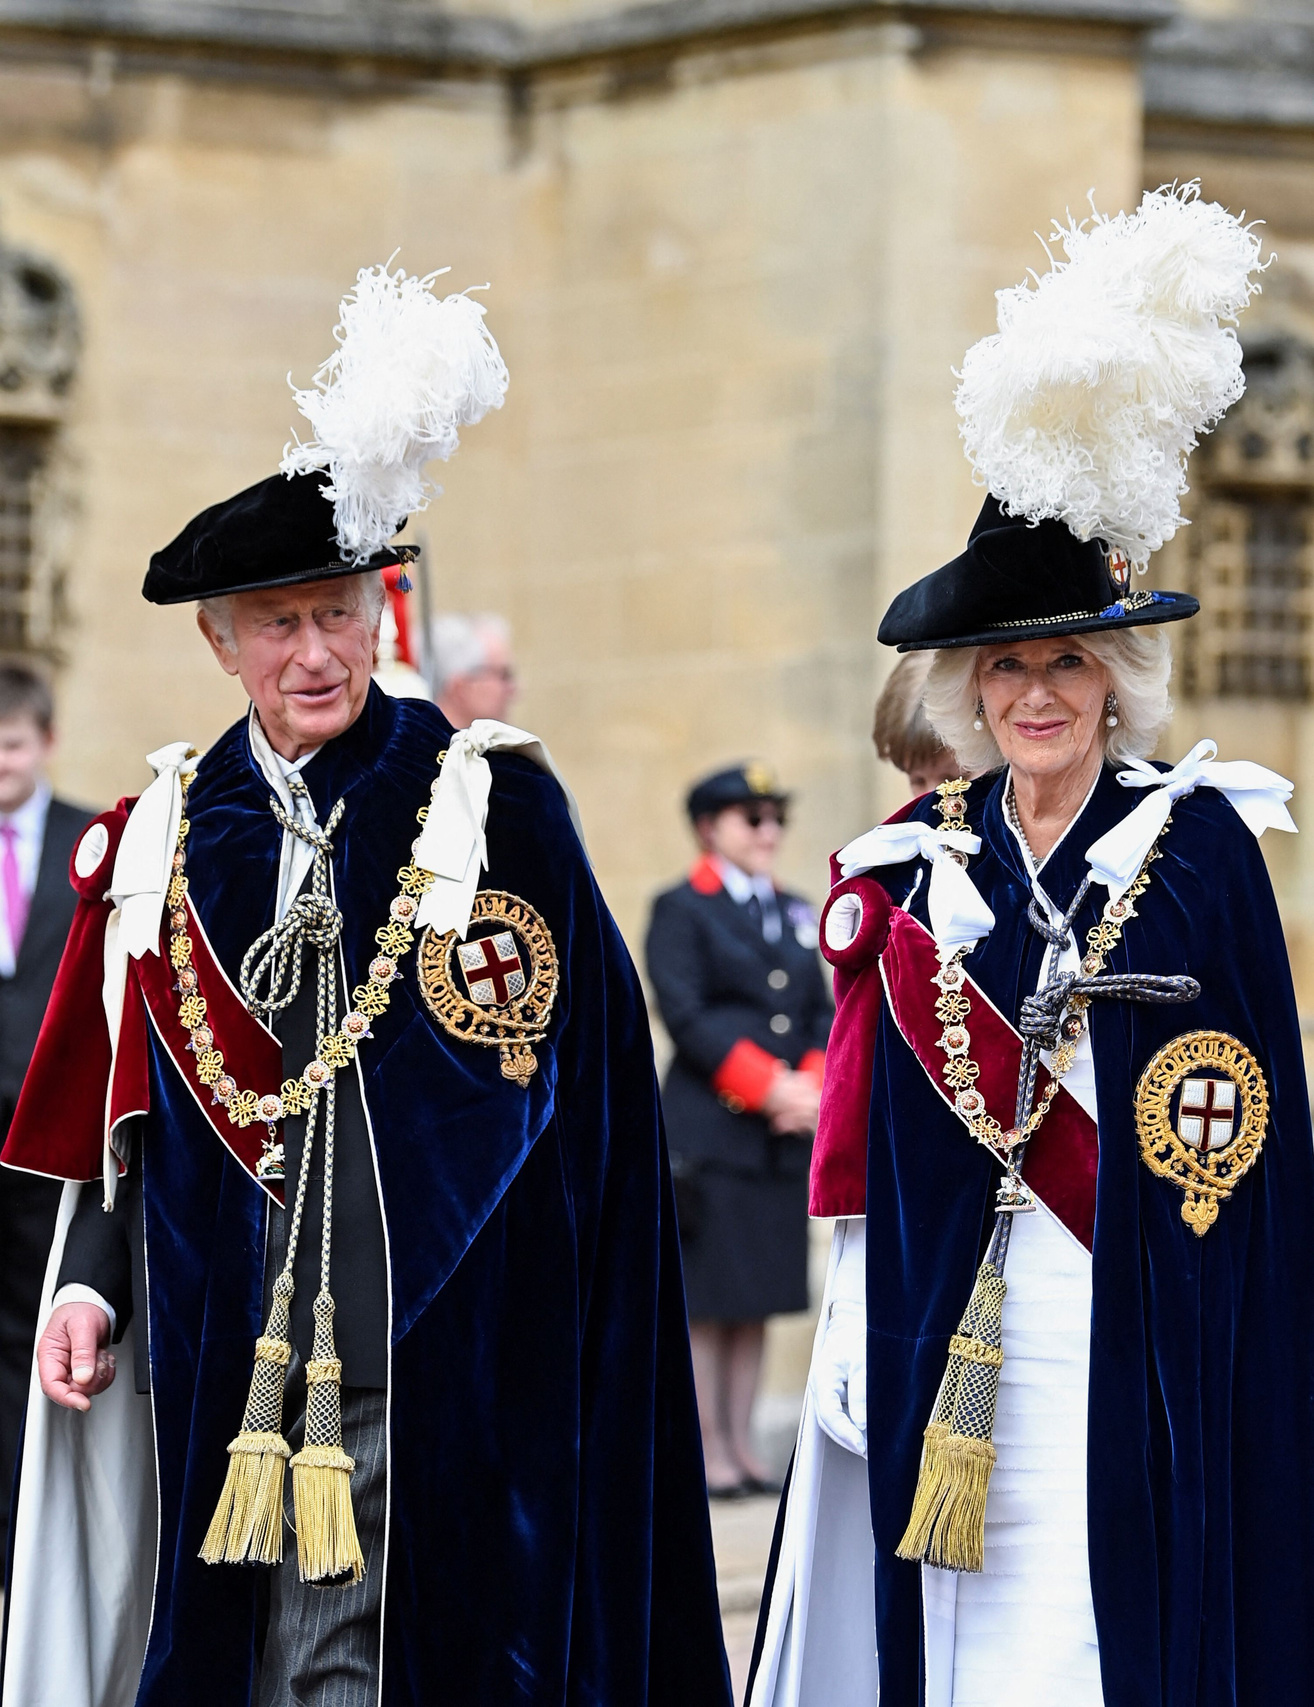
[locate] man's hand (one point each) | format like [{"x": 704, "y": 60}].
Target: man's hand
[
  {"x": 73, "y": 1356},
  {"x": 792, "y": 1103}
]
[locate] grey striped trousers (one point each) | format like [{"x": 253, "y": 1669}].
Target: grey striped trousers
[{"x": 322, "y": 1645}]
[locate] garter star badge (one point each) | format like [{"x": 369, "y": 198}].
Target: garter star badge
[
  {"x": 1201, "y": 1117},
  {"x": 497, "y": 987}
]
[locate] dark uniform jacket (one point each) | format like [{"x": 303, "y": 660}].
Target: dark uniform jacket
[
  {"x": 28, "y": 1203},
  {"x": 733, "y": 1004},
  {"x": 23, "y": 997}
]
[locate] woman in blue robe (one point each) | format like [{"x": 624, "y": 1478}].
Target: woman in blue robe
[{"x": 1066, "y": 1136}]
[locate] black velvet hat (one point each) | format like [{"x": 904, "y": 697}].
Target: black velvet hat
[
  {"x": 273, "y": 534},
  {"x": 742, "y": 785},
  {"x": 1023, "y": 581}
]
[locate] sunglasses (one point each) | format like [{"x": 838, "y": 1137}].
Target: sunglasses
[{"x": 756, "y": 816}]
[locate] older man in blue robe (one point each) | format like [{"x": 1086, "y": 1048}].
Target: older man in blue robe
[{"x": 348, "y": 1034}]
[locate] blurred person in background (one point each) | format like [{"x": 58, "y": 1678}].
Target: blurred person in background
[
  {"x": 733, "y": 963},
  {"x": 474, "y": 674},
  {"x": 37, "y": 837},
  {"x": 903, "y": 734}
]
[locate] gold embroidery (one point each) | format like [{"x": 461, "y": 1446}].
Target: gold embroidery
[
  {"x": 1220, "y": 1124},
  {"x": 497, "y": 987}
]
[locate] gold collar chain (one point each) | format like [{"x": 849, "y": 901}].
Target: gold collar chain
[
  {"x": 337, "y": 1050},
  {"x": 953, "y": 1006}
]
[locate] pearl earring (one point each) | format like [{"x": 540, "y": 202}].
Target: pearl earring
[
  {"x": 979, "y": 722},
  {"x": 1111, "y": 711}
]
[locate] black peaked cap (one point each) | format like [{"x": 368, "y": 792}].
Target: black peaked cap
[
  {"x": 741, "y": 785},
  {"x": 274, "y": 534},
  {"x": 1016, "y": 581}
]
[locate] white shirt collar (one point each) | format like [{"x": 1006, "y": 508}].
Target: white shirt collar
[
  {"x": 295, "y": 856},
  {"x": 29, "y": 819},
  {"x": 273, "y": 766},
  {"x": 740, "y": 886}
]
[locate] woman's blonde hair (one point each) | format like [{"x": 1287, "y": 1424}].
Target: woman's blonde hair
[
  {"x": 902, "y": 731},
  {"x": 1139, "y": 663}
]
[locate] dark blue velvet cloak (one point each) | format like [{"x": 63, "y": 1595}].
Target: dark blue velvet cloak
[
  {"x": 548, "y": 1539},
  {"x": 1201, "y": 1419}
]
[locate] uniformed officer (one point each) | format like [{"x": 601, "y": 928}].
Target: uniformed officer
[{"x": 733, "y": 963}]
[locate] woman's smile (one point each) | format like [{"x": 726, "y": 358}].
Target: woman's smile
[{"x": 1040, "y": 729}]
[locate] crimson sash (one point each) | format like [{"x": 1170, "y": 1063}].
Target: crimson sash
[
  {"x": 252, "y": 1054},
  {"x": 80, "y": 1085},
  {"x": 1062, "y": 1160}
]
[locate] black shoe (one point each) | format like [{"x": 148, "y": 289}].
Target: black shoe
[
  {"x": 762, "y": 1485},
  {"x": 730, "y": 1491}
]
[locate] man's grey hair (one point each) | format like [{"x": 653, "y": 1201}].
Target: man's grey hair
[
  {"x": 459, "y": 643},
  {"x": 367, "y": 587},
  {"x": 1139, "y": 662}
]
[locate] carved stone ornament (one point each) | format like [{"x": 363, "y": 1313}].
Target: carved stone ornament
[{"x": 39, "y": 336}]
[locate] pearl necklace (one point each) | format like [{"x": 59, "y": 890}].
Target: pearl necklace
[{"x": 1015, "y": 819}]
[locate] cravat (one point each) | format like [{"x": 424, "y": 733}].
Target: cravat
[
  {"x": 16, "y": 898},
  {"x": 753, "y": 907}
]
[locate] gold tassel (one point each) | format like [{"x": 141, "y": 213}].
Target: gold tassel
[
  {"x": 947, "y": 1525},
  {"x": 247, "y": 1526},
  {"x": 327, "y": 1544}
]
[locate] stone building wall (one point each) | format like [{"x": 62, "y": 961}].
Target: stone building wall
[
  {"x": 730, "y": 278},
  {"x": 1230, "y": 100}
]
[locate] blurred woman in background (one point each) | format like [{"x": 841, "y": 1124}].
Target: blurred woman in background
[
  {"x": 733, "y": 963},
  {"x": 903, "y": 734}
]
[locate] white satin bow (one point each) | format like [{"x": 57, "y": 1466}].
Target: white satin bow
[
  {"x": 143, "y": 865},
  {"x": 1258, "y": 794},
  {"x": 959, "y": 917},
  {"x": 452, "y": 843}
]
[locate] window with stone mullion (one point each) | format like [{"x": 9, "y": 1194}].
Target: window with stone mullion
[{"x": 22, "y": 452}]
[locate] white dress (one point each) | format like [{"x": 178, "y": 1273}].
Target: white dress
[{"x": 1023, "y": 1630}]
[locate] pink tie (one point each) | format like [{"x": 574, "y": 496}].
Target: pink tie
[{"x": 16, "y": 898}]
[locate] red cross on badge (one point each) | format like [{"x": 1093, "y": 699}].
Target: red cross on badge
[
  {"x": 1206, "y": 1117},
  {"x": 492, "y": 968}
]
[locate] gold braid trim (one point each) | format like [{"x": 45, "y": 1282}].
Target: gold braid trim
[{"x": 976, "y": 1351}]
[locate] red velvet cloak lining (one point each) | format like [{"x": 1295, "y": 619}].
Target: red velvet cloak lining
[
  {"x": 68, "y": 1109},
  {"x": 892, "y": 948}
]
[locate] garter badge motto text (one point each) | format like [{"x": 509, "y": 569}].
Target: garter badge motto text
[
  {"x": 497, "y": 987},
  {"x": 1201, "y": 1116}
]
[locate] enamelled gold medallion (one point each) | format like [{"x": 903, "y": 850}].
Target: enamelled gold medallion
[
  {"x": 1201, "y": 1116},
  {"x": 497, "y": 987}
]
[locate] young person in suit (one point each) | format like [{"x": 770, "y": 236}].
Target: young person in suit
[
  {"x": 733, "y": 964},
  {"x": 37, "y": 836}
]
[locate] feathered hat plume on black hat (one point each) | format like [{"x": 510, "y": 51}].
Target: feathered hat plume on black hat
[
  {"x": 409, "y": 371},
  {"x": 1078, "y": 415}
]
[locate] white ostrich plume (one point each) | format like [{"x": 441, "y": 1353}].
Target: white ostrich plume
[
  {"x": 1087, "y": 401},
  {"x": 410, "y": 369}
]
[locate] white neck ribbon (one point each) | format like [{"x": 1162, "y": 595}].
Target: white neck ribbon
[
  {"x": 452, "y": 844},
  {"x": 958, "y": 914},
  {"x": 1259, "y": 795},
  {"x": 143, "y": 865}
]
